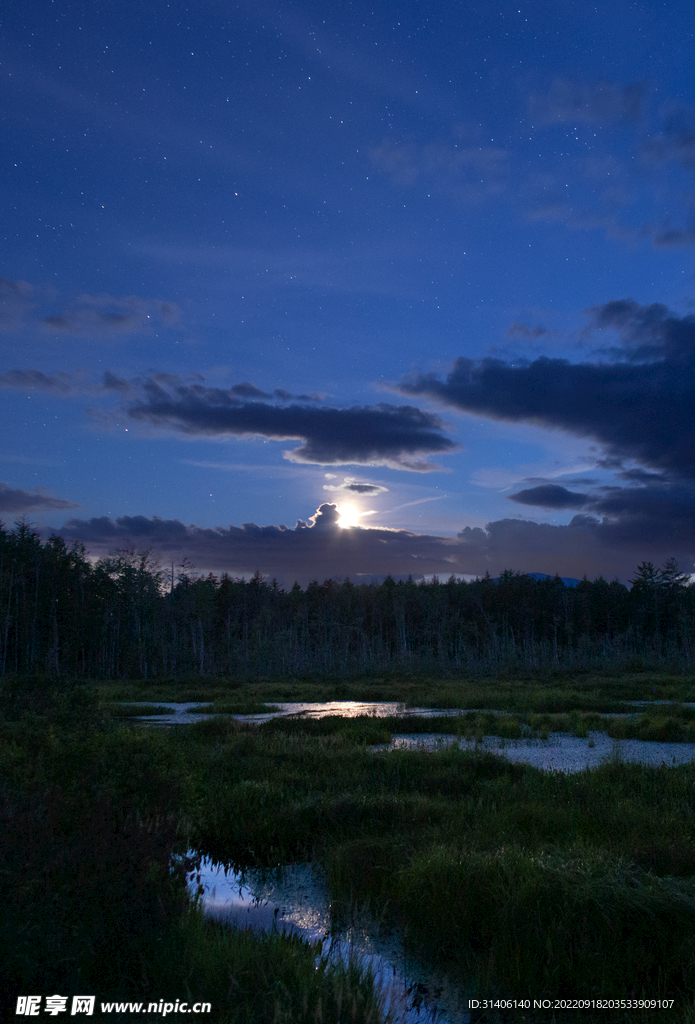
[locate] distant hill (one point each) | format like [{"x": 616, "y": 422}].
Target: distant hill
[{"x": 569, "y": 581}]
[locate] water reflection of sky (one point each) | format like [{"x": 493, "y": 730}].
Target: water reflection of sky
[
  {"x": 347, "y": 709},
  {"x": 560, "y": 752},
  {"x": 182, "y": 714},
  {"x": 296, "y": 901}
]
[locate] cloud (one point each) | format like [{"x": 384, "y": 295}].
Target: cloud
[
  {"x": 352, "y": 486},
  {"x": 247, "y": 390},
  {"x": 568, "y": 102},
  {"x": 401, "y": 437},
  {"x": 676, "y": 141},
  {"x": 261, "y": 269},
  {"x": 658, "y": 514},
  {"x": 35, "y": 380},
  {"x": 384, "y": 435},
  {"x": 25, "y": 305},
  {"x": 640, "y": 405},
  {"x": 320, "y": 550},
  {"x": 14, "y": 302},
  {"x": 37, "y": 500},
  {"x": 674, "y": 237},
  {"x": 520, "y": 330},
  {"x": 323, "y": 550},
  {"x": 326, "y": 517},
  {"x": 550, "y": 496},
  {"x": 101, "y": 316},
  {"x": 66, "y": 385},
  {"x": 468, "y": 171}
]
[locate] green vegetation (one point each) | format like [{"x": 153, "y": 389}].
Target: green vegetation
[
  {"x": 556, "y": 692},
  {"x": 136, "y": 710},
  {"x": 511, "y": 880},
  {"x": 92, "y": 886},
  {"x": 123, "y": 617},
  {"x": 517, "y": 881},
  {"x": 249, "y": 707}
]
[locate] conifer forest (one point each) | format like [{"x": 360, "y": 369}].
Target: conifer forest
[{"x": 126, "y": 616}]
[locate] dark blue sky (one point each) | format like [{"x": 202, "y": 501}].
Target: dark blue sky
[{"x": 430, "y": 263}]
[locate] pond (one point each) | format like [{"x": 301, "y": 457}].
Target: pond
[
  {"x": 560, "y": 752},
  {"x": 183, "y": 713},
  {"x": 296, "y": 901}
]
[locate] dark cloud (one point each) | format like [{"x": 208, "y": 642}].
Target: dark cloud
[
  {"x": 111, "y": 382},
  {"x": 660, "y": 513},
  {"x": 100, "y": 316},
  {"x": 35, "y": 380},
  {"x": 326, "y": 517},
  {"x": 569, "y": 102},
  {"x": 675, "y": 237},
  {"x": 520, "y": 330},
  {"x": 640, "y": 405},
  {"x": 364, "y": 488},
  {"x": 676, "y": 141},
  {"x": 352, "y": 486},
  {"x": 322, "y": 550},
  {"x": 67, "y": 384},
  {"x": 397, "y": 436},
  {"x": 550, "y": 496},
  {"x": 36, "y": 500},
  {"x": 248, "y": 391},
  {"x": 401, "y": 437},
  {"x": 306, "y": 552}
]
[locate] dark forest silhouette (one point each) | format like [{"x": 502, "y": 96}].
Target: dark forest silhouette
[{"x": 124, "y": 616}]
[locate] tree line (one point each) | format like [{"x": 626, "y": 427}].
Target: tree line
[{"x": 125, "y": 617}]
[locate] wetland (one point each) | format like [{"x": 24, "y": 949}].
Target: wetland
[{"x": 489, "y": 874}]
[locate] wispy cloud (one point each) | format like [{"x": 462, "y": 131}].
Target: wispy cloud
[
  {"x": 572, "y": 102},
  {"x": 98, "y": 316},
  {"x": 468, "y": 172},
  {"x": 39, "y": 499},
  {"x": 15, "y": 302}
]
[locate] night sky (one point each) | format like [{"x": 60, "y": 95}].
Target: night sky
[{"x": 426, "y": 265}]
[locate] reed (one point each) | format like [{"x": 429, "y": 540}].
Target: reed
[
  {"x": 93, "y": 894},
  {"x": 503, "y": 876}
]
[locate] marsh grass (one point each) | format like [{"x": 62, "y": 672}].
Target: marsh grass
[
  {"x": 93, "y": 892},
  {"x": 520, "y": 923},
  {"x": 677, "y": 725},
  {"x": 522, "y": 692},
  {"x": 136, "y": 710},
  {"x": 247, "y": 707},
  {"x": 365, "y": 729},
  {"x": 505, "y": 877},
  {"x": 511, "y": 878}
]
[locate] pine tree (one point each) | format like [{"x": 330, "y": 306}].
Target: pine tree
[
  {"x": 647, "y": 578},
  {"x": 671, "y": 576}
]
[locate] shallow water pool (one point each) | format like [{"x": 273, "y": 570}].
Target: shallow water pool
[
  {"x": 560, "y": 752},
  {"x": 297, "y": 901},
  {"x": 182, "y": 714}
]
